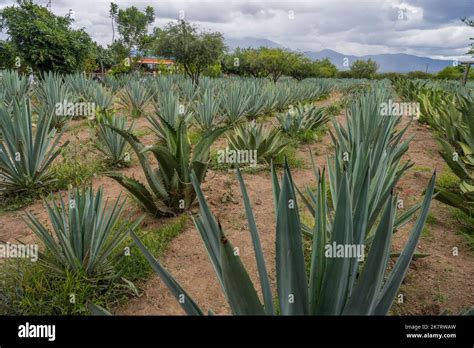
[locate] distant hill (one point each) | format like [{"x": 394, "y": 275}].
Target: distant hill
[
  {"x": 398, "y": 62},
  {"x": 251, "y": 42}
]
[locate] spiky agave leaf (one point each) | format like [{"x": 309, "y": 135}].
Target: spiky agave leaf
[
  {"x": 85, "y": 232},
  {"x": 26, "y": 150}
]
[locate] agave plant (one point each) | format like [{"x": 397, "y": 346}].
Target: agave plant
[
  {"x": 267, "y": 141},
  {"x": 135, "y": 97},
  {"x": 336, "y": 285},
  {"x": 207, "y": 111},
  {"x": 370, "y": 140},
  {"x": 462, "y": 196},
  {"x": 235, "y": 102},
  {"x": 169, "y": 187},
  {"x": 51, "y": 93},
  {"x": 102, "y": 98},
  {"x": 80, "y": 85},
  {"x": 85, "y": 233},
  {"x": 168, "y": 109},
  {"x": 301, "y": 120},
  {"x": 14, "y": 87},
  {"x": 110, "y": 143},
  {"x": 26, "y": 150}
]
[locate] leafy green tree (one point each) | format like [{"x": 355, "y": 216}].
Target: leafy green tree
[
  {"x": 301, "y": 67},
  {"x": 44, "y": 41},
  {"x": 323, "y": 68},
  {"x": 244, "y": 62},
  {"x": 194, "y": 51},
  {"x": 276, "y": 62},
  {"x": 7, "y": 55},
  {"x": 132, "y": 26},
  {"x": 453, "y": 73},
  {"x": 363, "y": 68}
]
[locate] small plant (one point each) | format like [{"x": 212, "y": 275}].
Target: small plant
[
  {"x": 135, "y": 97},
  {"x": 268, "y": 142},
  {"x": 461, "y": 193},
  {"x": 53, "y": 91},
  {"x": 302, "y": 122},
  {"x": 235, "y": 102},
  {"x": 170, "y": 190},
  {"x": 103, "y": 99},
  {"x": 27, "y": 151},
  {"x": 207, "y": 111},
  {"x": 85, "y": 233},
  {"x": 14, "y": 87},
  {"x": 112, "y": 144}
]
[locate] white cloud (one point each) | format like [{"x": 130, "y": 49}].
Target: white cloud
[{"x": 358, "y": 27}]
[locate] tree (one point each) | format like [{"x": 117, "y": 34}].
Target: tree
[
  {"x": 113, "y": 14},
  {"x": 470, "y": 22},
  {"x": 7, "y": 55},
  {"x": 364, "y": 68},
  {"x": 276, "y": 62},
  {"x": 132, "y": 25},
  {"x": 43, "y": 41},
  {"x": 301, "y": 67},
  {"x": 453, "y": 73},
  {"x": 323, "y": 68},
  {"x": 192, "y": 50}
]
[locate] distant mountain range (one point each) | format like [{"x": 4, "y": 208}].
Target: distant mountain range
[{"x": 398, "y": 62}]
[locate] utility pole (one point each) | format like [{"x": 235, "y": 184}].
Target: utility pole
[{"x": 49, "y": 5}]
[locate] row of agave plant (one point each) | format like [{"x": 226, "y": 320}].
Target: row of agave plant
[
  {"x": 449, "y": 111},
  {"x": 361, "y": 212},
  {"x": 213, "y": 102},
  {"x": 28, "y": 168},
  {"x": 362, "y": 209},
  {"x": 31, "y": 143}
]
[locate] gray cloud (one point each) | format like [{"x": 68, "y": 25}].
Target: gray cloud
[{"x": 421, "y": 27}]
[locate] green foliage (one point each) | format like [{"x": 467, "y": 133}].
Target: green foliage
[
  {"x": 170, "y": 190},
  {"x": 337, "y": 286},
  {"x": 267, "y": 141},
  {"x": 135, "y": 97},
  {"x": 31, "y": 289},
  {"x": 132, "y": 25},
  {"x": 77, "y": 166},
  {"x": 302, "y": 121},
  {"x": 363, "y": 69},
  {"x": 51, "y": 93},
  {"x": 207, "y": 111},
  {"x": 194, "y": 51},
  {"x": 26, "y": 150},
  {"x": 453, "y": 73},
  {"x": 369, "y": 142},
  {"x": 135, "y": 267},
  {"x": 110, "y": 143},
  {"x": 85, "y": 233},
  {"x": 14, "y": 86},
  {"x": 44, "y": 41}
]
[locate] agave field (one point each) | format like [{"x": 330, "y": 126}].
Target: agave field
[{"x": 152, "y": 195}]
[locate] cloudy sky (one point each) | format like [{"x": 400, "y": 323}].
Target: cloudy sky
[{"x": 422, "y": 27}]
